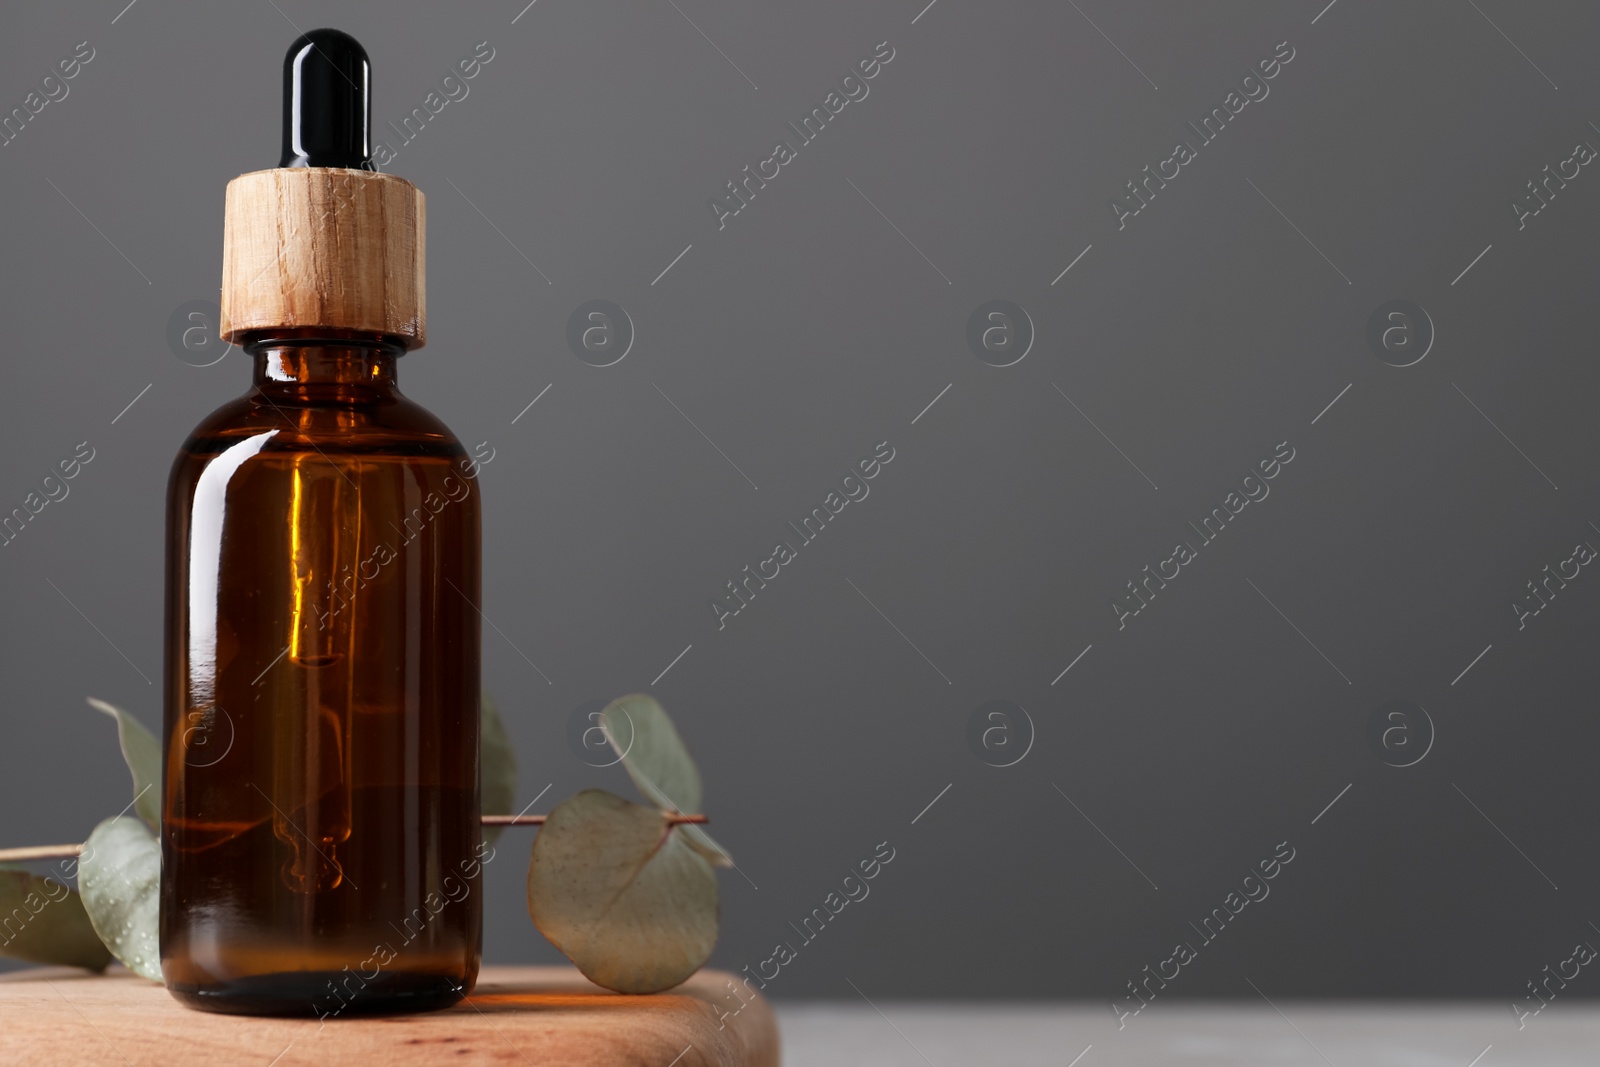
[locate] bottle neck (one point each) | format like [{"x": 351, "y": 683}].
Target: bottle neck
[{"x": 325, "y": 364}]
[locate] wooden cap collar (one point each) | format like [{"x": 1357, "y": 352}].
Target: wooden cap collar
[{"x": 324, "y": 246}]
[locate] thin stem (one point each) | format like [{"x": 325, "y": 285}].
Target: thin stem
[
  {"x": 538, "y": 820},
  {"x": 40, "y": 852},
  {"x": 57, "y": 852}
]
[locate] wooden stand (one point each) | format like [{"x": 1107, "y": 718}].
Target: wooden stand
[{"x": 517, "y": 1015}]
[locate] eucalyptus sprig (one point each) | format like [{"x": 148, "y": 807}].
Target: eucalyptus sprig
[{"x": 626, "y": 892}]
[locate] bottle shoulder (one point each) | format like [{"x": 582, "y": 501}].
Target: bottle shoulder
[
  {"x": 258, "y": 448},
  {"x": 334, "y": 422}
]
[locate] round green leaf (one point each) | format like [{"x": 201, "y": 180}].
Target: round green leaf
[
  {"x": 497, "y": 767},
  {"x": 119, "y": 875},
  {"x": 42, "y": 921},
  {"x": 655, "y": 756},
  {"x": 659, "y": 764},
  {"x": 143, "y": 755},
  {"x": 622, "y": 893}
]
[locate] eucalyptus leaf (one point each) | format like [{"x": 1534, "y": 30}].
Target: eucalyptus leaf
[
  {"x": 498, "y": 763},
  {"x": 655, "y": 756},
  {"x": 119, "y": 875},
  {"x": 42, "y": 921},
  {"x": 659, "y": 764},
  {"x": 143, "y": 756},
  {"x": 622, "y": 893},
  {"x": 703, "y": 843}
]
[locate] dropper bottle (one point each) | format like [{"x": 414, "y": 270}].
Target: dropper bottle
[{"x": 320, "y": 825}]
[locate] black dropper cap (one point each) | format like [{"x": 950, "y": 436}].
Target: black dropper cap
[{"x": 327, "y": 103}]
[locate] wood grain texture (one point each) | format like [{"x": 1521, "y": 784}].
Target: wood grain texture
[
  {"x": 516, "y": 1015},
  {"x": 324, "y": 246}
]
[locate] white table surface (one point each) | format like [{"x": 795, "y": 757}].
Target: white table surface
[{"x": 1219, "y": 1034}]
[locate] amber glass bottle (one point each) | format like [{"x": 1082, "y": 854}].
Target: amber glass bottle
[{"x": 320, "y": 826}]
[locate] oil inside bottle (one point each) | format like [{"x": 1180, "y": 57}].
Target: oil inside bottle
[{"x": 321, "y": 842}]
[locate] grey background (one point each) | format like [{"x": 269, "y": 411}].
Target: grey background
[{"x": 1200, "y": 336}]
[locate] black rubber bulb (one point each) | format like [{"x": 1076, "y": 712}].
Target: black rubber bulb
[{"x": 327, "y": 102}]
